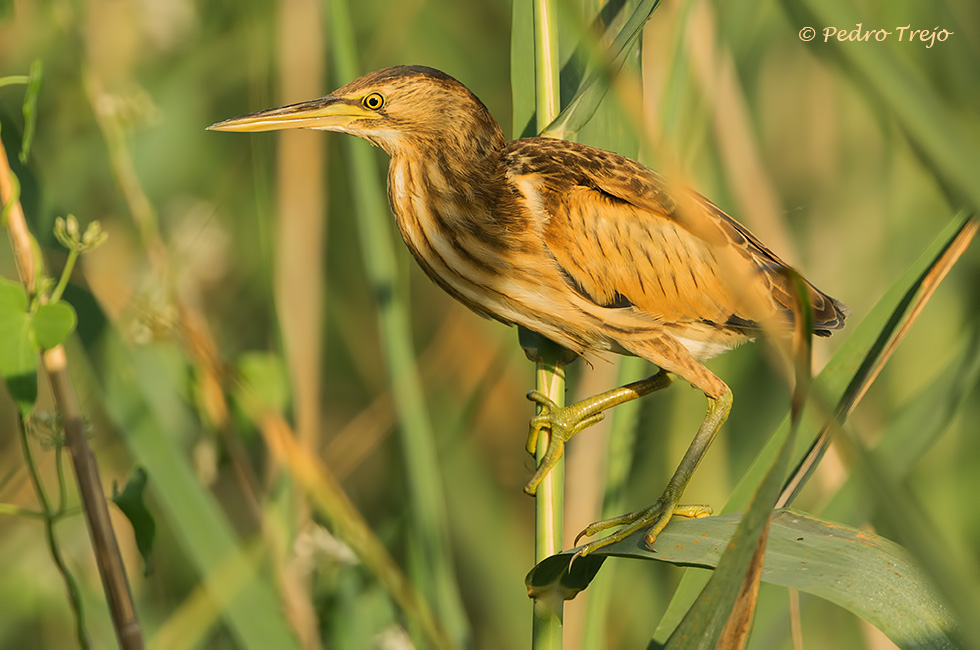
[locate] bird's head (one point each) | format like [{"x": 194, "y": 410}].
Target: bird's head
[{"x": 405, "y": 109}]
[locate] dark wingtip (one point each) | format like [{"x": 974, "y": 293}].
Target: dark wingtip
[
  {"x": 834, "y": 321},
  {"x": 829, "y": 316}
]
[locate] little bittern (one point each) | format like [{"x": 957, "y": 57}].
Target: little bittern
[{"x": 586, "y": 247}]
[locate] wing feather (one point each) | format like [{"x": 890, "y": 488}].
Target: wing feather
[
  {"x": 636, "y": 256},
  {"x": 625, "y": 239}
]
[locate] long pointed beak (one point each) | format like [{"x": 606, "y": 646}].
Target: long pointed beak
[{"x": 327, "y": 113}]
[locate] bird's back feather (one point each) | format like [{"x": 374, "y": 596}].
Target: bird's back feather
[{"x": 624, "y": 238}]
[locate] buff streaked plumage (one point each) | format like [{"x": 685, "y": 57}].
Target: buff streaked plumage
[{"x": 584, "y": 246}]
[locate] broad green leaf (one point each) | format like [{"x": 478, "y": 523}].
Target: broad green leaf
[
  {"x": 18, "y": 354},
  {"x": 130, "y": 502},
  {"x": 564, "y": 578},
  {"x": 53, "y": 324},
  {"x": 13, "y": 298},
  {"x": 868, "y": 575}
]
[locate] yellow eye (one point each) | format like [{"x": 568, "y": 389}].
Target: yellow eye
[{"x": 374, "y": 101}]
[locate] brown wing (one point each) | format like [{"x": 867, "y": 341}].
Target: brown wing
[{"x": 624, "y": 238}]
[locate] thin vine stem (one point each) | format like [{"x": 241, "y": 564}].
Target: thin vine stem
[
  {"x": 65, "y": 275},
  {"x": 50, "y": 518}
]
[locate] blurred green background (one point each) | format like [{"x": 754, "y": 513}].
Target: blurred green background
[{"x": 228, "y": 253}]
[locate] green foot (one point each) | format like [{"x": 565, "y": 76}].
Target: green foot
[
  {"x": 561, "y": 423},
  {"x": 564, "y": 422},
  {"x": 653, "y": 519}
]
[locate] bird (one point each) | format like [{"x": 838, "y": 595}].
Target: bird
[{"x": 586, "y": 247}]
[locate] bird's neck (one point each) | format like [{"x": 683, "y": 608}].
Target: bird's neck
[
  {"x": 443, "y": 187},
  {"x": 455, "y": 167},
  {"x": 451, "y": 205}
]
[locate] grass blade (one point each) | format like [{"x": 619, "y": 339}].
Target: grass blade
[
  {"x": 916, "y": 428},
  {"x": 435, "y": 571},
  {"x": 593, "y": 89},
  {"x": 926, "y": 287},
  {"x": 912, "y": 433},
  {"x": 153, "y": 418}
]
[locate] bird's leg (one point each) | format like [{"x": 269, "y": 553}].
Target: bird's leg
[
  {"x": 564, "y": 422},
  {"x": 655, "y": 517}
]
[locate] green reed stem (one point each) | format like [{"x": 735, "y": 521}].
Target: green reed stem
[{"x": 550, "y": 371}]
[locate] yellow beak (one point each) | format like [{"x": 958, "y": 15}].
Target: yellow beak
[{"x": 327, "y": 113}]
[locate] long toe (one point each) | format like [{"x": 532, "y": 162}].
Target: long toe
[
  {"x": 560, "y": 423},
  {"x": 652, "y": 519},
  {"x": 556, "y": 448},
  {"x": 631, "y": 523}
]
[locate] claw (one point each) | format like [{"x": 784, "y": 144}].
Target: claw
[
  {"x": 539, "y": 421},
  {"x": 542, "y": 399},
  {"x": 532, "y": 438},
  {"x": 556, "y": 449}
]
